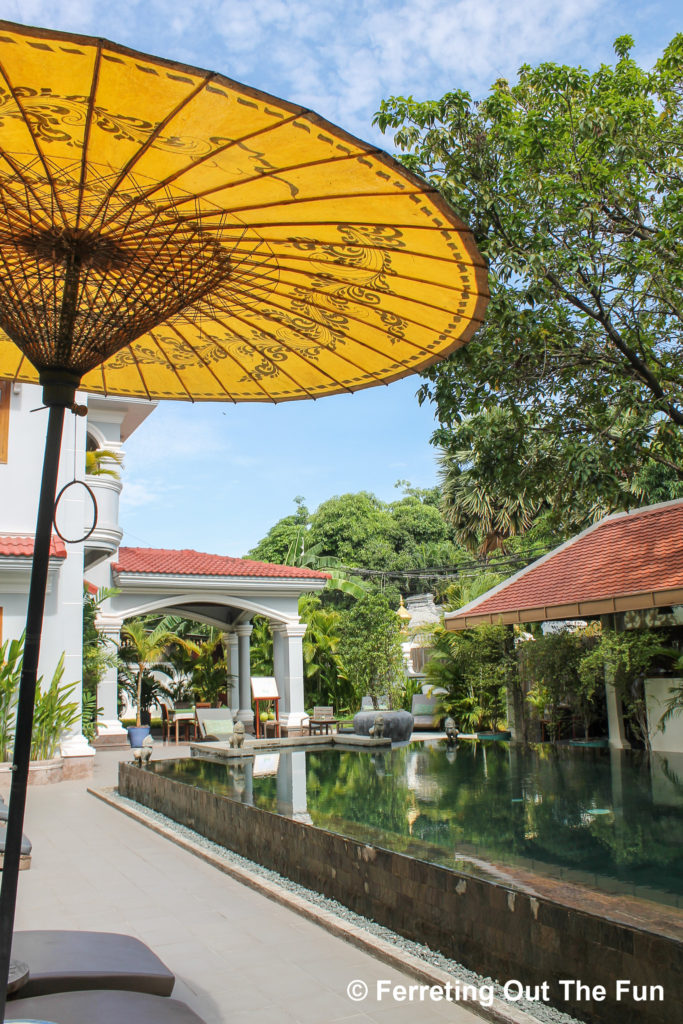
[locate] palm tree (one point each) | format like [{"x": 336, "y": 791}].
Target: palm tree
[
  {"x": 147, "y": 647},
  {"x": 482, "y": 521},
  {"x": 310, "y": 558},
  {"x": 483, "y": 518},
  {"x": 96, "y": 460}
]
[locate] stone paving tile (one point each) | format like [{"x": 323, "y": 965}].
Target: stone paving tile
[{"x": 239, "y": 958}]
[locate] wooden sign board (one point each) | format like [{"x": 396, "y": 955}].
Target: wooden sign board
[{"x": 264, "y": 688}]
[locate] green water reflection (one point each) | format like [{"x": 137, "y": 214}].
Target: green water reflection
[{"x": 611, "y": 819}]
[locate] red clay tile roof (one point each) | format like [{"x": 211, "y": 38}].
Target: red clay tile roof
[
  {"x": 195, "y": 563},
  {"x": 630, "y": 553},
  {"x": 21, "y": 545}
]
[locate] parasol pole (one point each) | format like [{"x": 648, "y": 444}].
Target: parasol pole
[{"x": 58, "y": 394}]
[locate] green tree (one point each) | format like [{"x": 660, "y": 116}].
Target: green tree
[
  {"x": 370, "y": 649},
  {"x": 555, "y": 664},
  {"x": 571, "y": 182},
  {"x": 278, "y": 541},
  {"x": 474, "y": 666},
  {"x": 627, "y": 657},
  {"x": 325, "y": 681},
  {"x": 482, "y": 518},
  {"x": 197, "y": 661}
]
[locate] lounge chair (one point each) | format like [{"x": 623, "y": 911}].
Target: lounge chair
[
  {"x": 68, "y": 961},
  {"x": 425, "y": 711},
  {"x": 368, "y": 704},
  {"x": 214, "y": 724},
  {"x": 25, "y": 856},
  {"x": 101, "y": 1006}
]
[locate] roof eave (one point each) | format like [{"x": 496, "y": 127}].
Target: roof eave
[
  {"x": 147, "y": 580},
  {"x": 639, "y": 601}
]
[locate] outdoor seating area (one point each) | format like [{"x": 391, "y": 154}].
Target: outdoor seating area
[{"x": 322, "y": 720}]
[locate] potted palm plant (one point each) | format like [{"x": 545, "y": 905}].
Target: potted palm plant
[{"x": 143, "y": 650}]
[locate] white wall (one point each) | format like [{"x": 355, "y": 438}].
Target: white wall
[
  {"x": 19, "y": 490},
  {"x": 670, "y": 737}
]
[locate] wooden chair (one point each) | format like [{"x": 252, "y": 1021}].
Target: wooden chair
[
  {"x": 166, "y": 724},
  {"x": 322, "y": 718}
]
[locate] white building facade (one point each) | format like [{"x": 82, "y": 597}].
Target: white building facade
[{"x": 224, "y": 592}]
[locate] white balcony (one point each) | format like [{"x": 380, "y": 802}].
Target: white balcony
[{"x": 106, "y": 536}]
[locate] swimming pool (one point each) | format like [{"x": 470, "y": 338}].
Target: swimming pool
[{"x": 609, "y": 819}]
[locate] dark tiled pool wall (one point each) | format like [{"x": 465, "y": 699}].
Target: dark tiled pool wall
[{"x": 487, "y": 927}]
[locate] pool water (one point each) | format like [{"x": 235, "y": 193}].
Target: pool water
[{"x": 612, "y": 819}]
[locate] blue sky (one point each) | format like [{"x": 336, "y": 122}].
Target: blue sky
[{"x": 217, "y": 477}]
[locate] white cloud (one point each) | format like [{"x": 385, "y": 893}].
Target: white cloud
[{"x": 341, "y": 59}]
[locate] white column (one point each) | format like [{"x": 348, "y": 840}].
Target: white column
[
  {"x": 280, "y": 665},
  {"x": 292, "y": 634},
  {"x": 245, "y": 714},
  {"x": 291, "y": 786},
  {"x": 108, "y": 688},
  {"x": 230, "y": 642}
]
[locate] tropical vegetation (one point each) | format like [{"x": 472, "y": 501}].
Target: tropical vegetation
[
  {"x": 571, "y": 394},
  {"x": 54, "y": 712}
]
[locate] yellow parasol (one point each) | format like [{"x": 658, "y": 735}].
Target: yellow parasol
[{"x": 166, "y": 232}]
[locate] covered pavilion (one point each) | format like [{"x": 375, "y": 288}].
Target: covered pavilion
[
  {"x": 223, "y": 592},
  {"x": 628, "y": 567}
]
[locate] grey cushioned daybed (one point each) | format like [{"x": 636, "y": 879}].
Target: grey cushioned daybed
[
  {"x": 66, "y": 961},
  {"x": 102, "y": 1007},
  {"x": 25, "y": 856}
]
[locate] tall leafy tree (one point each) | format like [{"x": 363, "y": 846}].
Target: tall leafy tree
[
  {"x": 359, "y": 530},
  {"x": 370, "y": 648},
  {"x": 572, "y": 184}
]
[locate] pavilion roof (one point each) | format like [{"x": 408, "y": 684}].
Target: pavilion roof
[
  {"x": 627, "y": 561},
  {"x": 164, "y": 561}
]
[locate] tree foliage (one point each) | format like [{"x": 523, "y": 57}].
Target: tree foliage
[
  {"x": 572, "y": 185},
  {"x": 473, "y": 666},
  {"x": 361, "y": 531},
  {"x": 370, "y": 649},
  {"x": 144, "y": 649}
]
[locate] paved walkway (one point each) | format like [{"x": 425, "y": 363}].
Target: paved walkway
[{"x": 239, "y": 958}]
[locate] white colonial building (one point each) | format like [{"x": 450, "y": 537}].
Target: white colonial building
[{"x": 225, "y": 592}]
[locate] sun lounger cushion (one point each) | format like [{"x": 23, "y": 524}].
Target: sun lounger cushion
[
  {"x": 220, "y": 729},
  {"x": 101, "y": 1007},
  {"x": 25, "y": 843},
  {"x": 215, "y": 722},
  {"x": 65, "y": 961},
  {"x": 424, "y": 709}
]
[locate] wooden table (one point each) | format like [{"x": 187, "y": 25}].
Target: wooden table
[
  {"x": 181, "y": 716},
  {"x": 318, "y": 723}
]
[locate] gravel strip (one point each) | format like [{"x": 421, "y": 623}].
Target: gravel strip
[{"x": 503, "y": 1011}]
